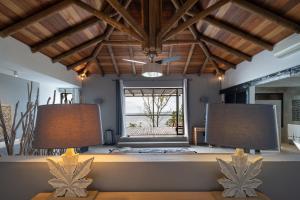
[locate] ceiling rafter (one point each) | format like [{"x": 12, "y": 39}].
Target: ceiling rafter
[
  {"x": 179, "y": 42},
  {"x": 221, "y": 60},
  {"x": 178, "y": 14},
  {"x": 131, "y": 55},
  {"x": 109, "y": 30},
  {"x": 80, "y": 62},
  {"x": 268, "y": 15},
  {"x": 203, "y": 66},
  {"x": 64, "y": 34},
  {"x": 195, "y": 19},
  {"x": 212, "y": 58},
  {"x": 225, "y": 47},
  {"x": 68, "y": 32},
  {"x": 113, "y": 59},
  {"x": 35, "y": 18},
  {"x": 122, "y": 43},
  {"x": 95, "y": 52},
  {"x": 208, "y": 55},
  {"x": 109, "y": 20},
  {"x": 234, "y": 30},
  {"x": 128, "y": 18},
  {"x": 188, "y": 60},
  {"x": 97, "y": 61},
  {"x": 78, "y": 48},
  {"x": 188, "y": 15},
  {"x": 202, "y": 45}
]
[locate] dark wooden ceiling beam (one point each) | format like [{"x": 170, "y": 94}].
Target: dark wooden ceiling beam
[
  {"x": 179, "y": 42},
  {"x": 201, "y": 44},
  {"x": 63, "y": 34},
  {"x": 188, "y": 60},
  {"x": 131, "y": 56},
  {"x": 152, "y": 10},
  {"x": 225, "y": 47},
  {"x": 113, "y": 59},
  {"x": 196, "y": 18},
  {"x": 97, "y": 61},
  {"x": 178, "y": 14},
  {"x": 78, "y": 48},
  {"x": 109, "y": 30},
  {"x": 122, "y": 43},
  {"x": 208, "y": 55},
  {"x": 109, "y": 20},
  {"x": 95, "y": 52},
  {"x": 282, "y": 21},
  {"x": 203, "y": 66},
  {"x": 35, "y": 18},
  {"x": 221, "y": 60},
  {"x": 128, "y": 18},
  {"x": 238, "y": 32},
  {"x": 80, "y": 62},
  {"x": 138, "y": 43}
]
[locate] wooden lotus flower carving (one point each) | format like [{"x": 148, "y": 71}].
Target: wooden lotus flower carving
[
  {"x": 70, "y": 176},
  {"x": 240, "y": 175}
]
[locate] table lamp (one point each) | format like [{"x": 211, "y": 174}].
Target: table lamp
[
  {"x": 68, "y": 126},
  {"x": 241, "y": 126}
]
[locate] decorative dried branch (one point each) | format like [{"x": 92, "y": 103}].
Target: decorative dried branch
[{"x": 25, "y": 120}]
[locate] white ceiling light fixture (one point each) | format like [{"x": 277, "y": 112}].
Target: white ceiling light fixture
[{"x": 152, "y": 70}]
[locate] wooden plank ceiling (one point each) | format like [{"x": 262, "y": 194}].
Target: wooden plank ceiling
[{"x": 93, "y": 36}]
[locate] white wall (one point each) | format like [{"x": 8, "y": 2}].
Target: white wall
[
  {"x": 37, "y": 67},
  {"x": 261, "y": 65}
]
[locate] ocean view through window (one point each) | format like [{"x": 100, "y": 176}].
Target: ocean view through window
[{"x": 154, "y": 111}]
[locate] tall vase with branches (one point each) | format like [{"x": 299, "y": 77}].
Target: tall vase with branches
[{"x": 26, "y": 121}]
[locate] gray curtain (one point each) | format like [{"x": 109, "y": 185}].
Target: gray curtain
[
  {"x": 120, "y": 108},
  {"x": 186, "y": 106}
]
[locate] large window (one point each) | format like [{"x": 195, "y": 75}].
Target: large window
[{"x": 154, "y": 111}]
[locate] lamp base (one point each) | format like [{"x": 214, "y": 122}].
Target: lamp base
[
  {"x": 240, "y": 173},
  {"x": 91, "y": 195},
  {"x": 70, "y": 175}
]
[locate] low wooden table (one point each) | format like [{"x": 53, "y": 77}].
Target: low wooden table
[{"x": 160, "y": 196}]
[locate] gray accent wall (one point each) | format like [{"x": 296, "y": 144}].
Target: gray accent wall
[{"x": 97, "y": 89}]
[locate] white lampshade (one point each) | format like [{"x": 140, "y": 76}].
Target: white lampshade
[{"x": 152, "y": 70}]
